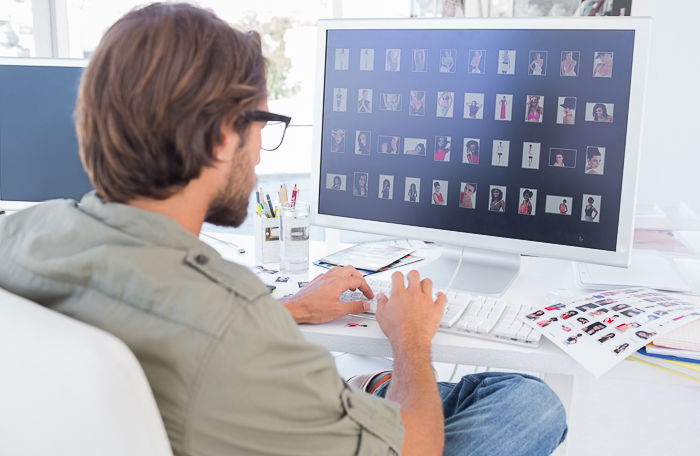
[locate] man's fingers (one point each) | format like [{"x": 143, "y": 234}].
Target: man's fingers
[
  {"x": 382, "y": 299},
  {"x": 354, "y": 307},
  {"x": 355, "y": 283},
  {"x": 397, "y": 283},
  {"x": 426, "y": 285},
  {"x": 413, "y": 279},
  {"x": 441, "y": 299}
]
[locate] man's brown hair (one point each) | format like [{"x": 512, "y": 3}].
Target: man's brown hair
[{"x": 152, "y": 101}]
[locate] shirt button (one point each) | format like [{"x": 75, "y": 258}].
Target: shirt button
[
  {"x": 348, "y": 402},
  {"x": 201, "y": 259}
]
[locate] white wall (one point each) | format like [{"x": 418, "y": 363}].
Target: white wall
[{"x": 670, "y": 168}]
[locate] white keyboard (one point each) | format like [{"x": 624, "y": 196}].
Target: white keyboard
[{"x": 469, "y": 315}]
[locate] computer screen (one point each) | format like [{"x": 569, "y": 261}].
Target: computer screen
[
  {"x": 38, "y": 146},
  {"x": 514, "y": 135}
]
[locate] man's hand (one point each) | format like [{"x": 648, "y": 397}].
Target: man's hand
[
  {"x": 318, "y": 301},
  {"x": 410, "y": 317}
]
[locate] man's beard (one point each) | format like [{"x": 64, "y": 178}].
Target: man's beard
[{"x": 230, "y": 206}]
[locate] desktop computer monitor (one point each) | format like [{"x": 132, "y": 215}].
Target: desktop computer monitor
[
  {"x": 38, "y": 145},
  {"x": 505, "y": 137}
]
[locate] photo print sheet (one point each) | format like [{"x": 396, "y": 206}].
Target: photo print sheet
[{"x": 601, "y": 329}]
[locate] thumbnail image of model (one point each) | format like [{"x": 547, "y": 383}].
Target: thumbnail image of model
[
  {"x": 362, "y": 142},
  {"x": 338, "y": 140},
  {"x": 562, "y": 158},
  {"x": 558, "y": 204},
  {"x": 569, "y": 63},
  {"x": 606, "y": 338},
  {"x": 342, "y": 59},
  {"x": 506, "y": 62},
  {"x": 531, "y": 155},
  {"x": 595, "y": 157},
  {"x": 366, "y": 59},
  {"x": 470, "y": 154},
  {"x": 599, "y": 112},
  {"x": 467, "y": 197},
  {"x": 566, "y": 114},
  {"x": 364, "y": 101},
  {"x": 448, "y": 63},
  {"x": 527, "y": 204},
  {"x": 620, "y": 348},
  {"x": 388, "y": 144},
  {"x": 445, "y": 104},
  {"x": 534, "y": 108},
  {"x": 386, "y": 186},
  {"x": 335, "y": 182},
  {"x": 500, "y": 152},
  {"x": 538, "y": 63},
  {"x": 602, "y": 64},
  {"x": 573, "y": 339},
  {"x": 414, "y": 146},
  {"x": 393, "y": 60},
  {"x": 340, "y": 100},
  {"x": 360, "y": 184},
  {"x": 416, "y": 106},
  {"x": 504, "y": 106},
  {"x": 477, "y": 61},
  {"x": 498, "y": 199},
  {"x": 594, "y": 328},
  {"x": 589, "y": 213},
  {"x": 473, "y": 104},
  {"x": 442, "y": 148},
  {"x": 439, "y": 198},
  {"x": 420, "y": 58},
  {"x": 390, "y": 102},
  {"x": 412, "y": 190}
]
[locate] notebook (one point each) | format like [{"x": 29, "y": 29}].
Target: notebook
[{"x": 686, "y": 337}]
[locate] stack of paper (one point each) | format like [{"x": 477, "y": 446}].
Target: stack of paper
[
  {"x": 370, "y": 258},
  {"x": 686, "y": 337},
  {"x": 677, "y": 351}
]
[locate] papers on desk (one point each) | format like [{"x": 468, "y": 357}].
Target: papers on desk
[
  {"x": 601, "y": 329},
  {"x": 370, "y": 258}
]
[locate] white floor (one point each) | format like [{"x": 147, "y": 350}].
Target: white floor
[{"x": 614, "y": 415}]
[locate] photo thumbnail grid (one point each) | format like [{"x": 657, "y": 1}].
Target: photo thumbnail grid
[{"x": 509, "y": 118}]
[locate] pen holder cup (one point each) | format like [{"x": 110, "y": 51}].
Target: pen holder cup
[{"x": 267, "y": 239}]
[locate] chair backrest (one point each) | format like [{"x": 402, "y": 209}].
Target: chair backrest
[{"x": 67, "y": 388}]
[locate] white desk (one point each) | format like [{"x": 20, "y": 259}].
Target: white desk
[{"x": 537, "y": 277}]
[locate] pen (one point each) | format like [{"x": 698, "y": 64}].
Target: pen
[
  {"x": 269, "y": 203},
  {"x": 295, "y": 192}
]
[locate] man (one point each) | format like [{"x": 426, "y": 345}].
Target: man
[{"x": 169, "y": 118}]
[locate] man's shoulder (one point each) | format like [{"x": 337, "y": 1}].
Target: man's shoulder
[{"x": 57, "y": 249}]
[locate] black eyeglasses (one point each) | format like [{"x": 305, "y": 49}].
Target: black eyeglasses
[{"x": 274, "y": 129}]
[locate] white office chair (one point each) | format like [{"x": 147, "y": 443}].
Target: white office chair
[{"x": 68, "y": 389}]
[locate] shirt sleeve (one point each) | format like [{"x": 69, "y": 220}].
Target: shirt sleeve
[{"x": 264, "y": 390}]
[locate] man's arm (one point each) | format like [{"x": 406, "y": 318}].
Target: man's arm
[
  {"x": 410, "y": 319},
  {"x": 318, "y": 301}
]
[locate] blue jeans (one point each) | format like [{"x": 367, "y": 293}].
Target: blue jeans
[{"x": 500, "y": 414}]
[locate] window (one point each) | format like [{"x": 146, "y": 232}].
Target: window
[{"x": 17, "y": 29}]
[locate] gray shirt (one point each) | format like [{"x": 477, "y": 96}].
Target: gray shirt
[{"x": 229, "y": 368}]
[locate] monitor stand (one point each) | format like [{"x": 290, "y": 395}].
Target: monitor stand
[{"x": 482, "y": 271}]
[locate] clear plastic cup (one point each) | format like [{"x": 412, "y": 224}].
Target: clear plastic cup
[{"x": 294, "y": 237}]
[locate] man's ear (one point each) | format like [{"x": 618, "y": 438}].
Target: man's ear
[{"x": 226, "y": 151}]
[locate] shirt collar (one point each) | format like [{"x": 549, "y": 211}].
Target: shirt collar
[{"x": 150, "y": 226}]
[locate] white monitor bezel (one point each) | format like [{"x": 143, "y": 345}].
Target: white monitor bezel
[{"x": 622, "y": 254}]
